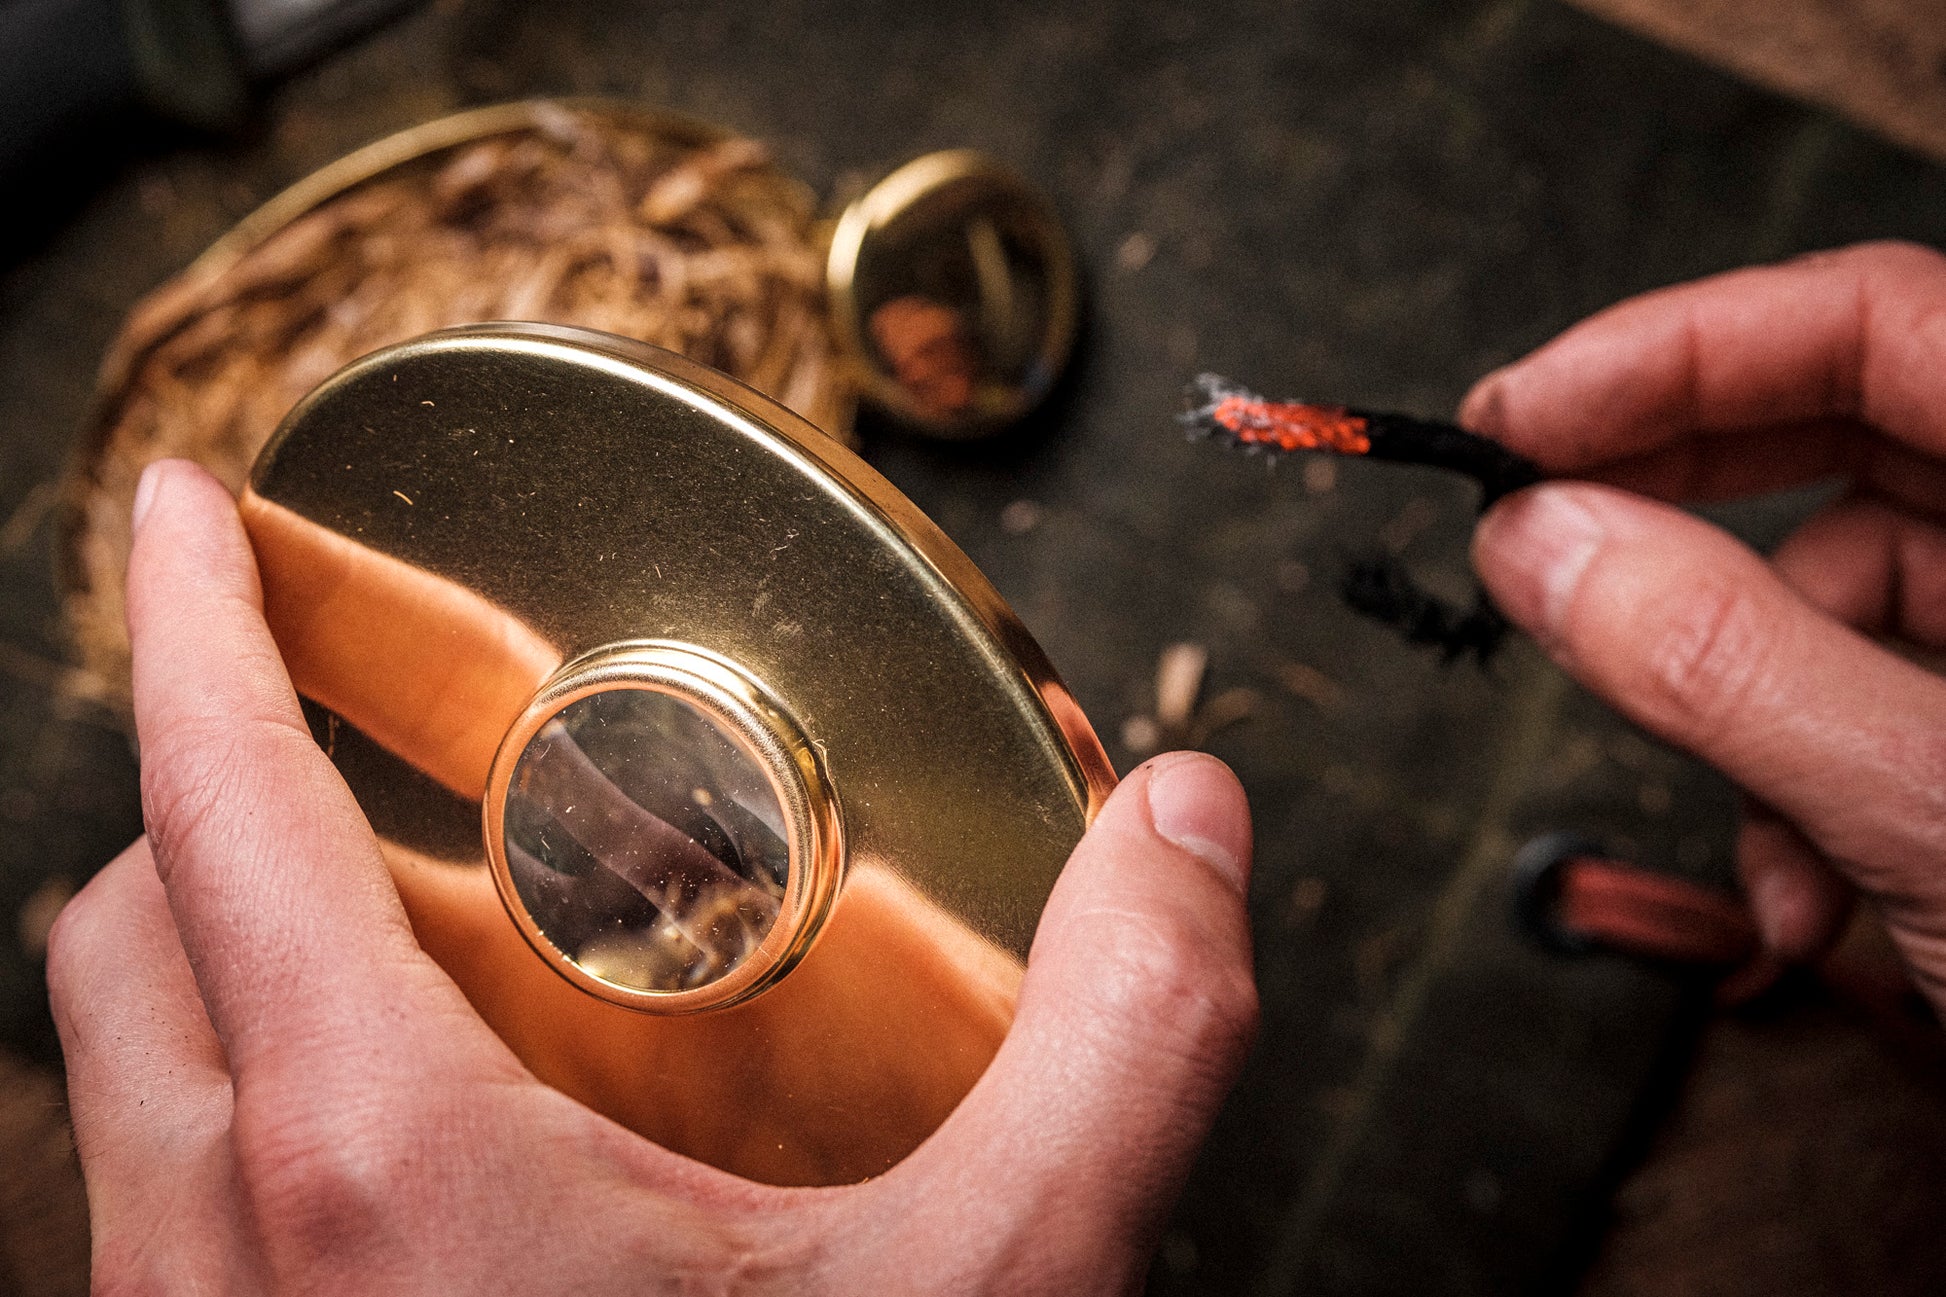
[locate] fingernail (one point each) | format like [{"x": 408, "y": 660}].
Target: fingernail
[
  {"x": 144, "y": 494},
  {"x": 1779, "y": 912},
  {"x": 1532, "y": 552},
  {"x": 1195, "y": 803},
  {"x": 1485, "y": 408}
]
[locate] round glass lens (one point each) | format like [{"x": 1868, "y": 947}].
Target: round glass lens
[{"x": 646, "y": 843}]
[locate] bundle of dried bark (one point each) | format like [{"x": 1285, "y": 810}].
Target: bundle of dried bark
[{"x": 584, "y": 217}]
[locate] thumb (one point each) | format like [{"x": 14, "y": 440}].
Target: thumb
[
  {"x": 1696, "y": 638},
  {"x": 1137, "y": 1010}
]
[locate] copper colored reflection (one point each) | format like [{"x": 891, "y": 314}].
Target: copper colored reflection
[
  {"x": 429, "y": 669},
  {"x": 830, "y": 1076}
]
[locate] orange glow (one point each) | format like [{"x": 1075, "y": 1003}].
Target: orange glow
[{"x": 1292, "y": 425}]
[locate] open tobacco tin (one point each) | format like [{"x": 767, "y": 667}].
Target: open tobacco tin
[
  {"x": 721, "y": 781},
  {"x": 953, "y": 293}
]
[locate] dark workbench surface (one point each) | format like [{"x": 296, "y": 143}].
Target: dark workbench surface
[{"x": 1337, "y": 199}]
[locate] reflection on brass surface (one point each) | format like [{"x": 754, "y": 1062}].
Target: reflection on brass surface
[
  {"x": 953, "y": 289},
  {"x": 657, "y": 624}
]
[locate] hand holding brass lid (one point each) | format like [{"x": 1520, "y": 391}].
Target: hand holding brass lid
[{"x": 756, "y": 750}]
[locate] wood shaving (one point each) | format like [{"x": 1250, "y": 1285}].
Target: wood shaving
[
  {"x": 1178, "y": 683},
  {"x": 1310, "y": 684},
  {"x": 1182, "y": 719},
  {"x": 583, "y": 218}
]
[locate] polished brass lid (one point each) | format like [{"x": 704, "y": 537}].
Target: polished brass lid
[{"x": 691, "y": 663}]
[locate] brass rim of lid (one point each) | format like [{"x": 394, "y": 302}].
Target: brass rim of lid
[{"x": 745, "y": 709}]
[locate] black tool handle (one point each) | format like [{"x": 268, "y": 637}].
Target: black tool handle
[{"x": 65, "y": 65}]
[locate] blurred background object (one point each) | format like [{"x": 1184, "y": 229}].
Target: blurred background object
[
  {"x": 1881, "y": 63},
  {"x": 74, "y": 71},
  {"x": 1373, "y": 204}
]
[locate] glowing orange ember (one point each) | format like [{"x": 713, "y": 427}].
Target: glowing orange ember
[{"x": 1292, "y": 425}]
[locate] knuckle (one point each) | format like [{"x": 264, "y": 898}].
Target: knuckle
[
  {"x": 72, "y": 939},
  {"x": 1873, "y": 260},
  {"x": 189, "y": 776},
  {"x": 1895, "y": 256},
  {"x": 1921, "y": 755},
  {"x": 1898, "y": 857},
  {"x": 1927, "y": 330},
  {"x": 323, "y": 1177},
  {"x": 200, "y": 772},
  {"x": 83, "y": 939},
  {"x": 1165, "y": 970},
  {"x": 1708, "y": 655}
]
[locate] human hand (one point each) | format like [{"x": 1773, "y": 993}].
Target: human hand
[
  {"x": 1832, "y": 364},
  {"x": 274, "y": 1088}
]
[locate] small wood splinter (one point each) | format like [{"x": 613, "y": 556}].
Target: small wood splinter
[{"x": 1380, "y": 587}]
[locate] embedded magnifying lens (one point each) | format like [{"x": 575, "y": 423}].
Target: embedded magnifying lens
[
  {"x": 659, "y": 826},
  {"x": 648, "y": 846}
]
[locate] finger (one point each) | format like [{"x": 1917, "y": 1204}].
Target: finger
[
  {"x": 286, "y": 913},
  {"x": 133, "y": 1030},
  {"x": 1136, "y": 1012},
  {"x": 1880, "y": 570},
  {"x": 148, "y": 1089},
  {"x": 1856, "y": 335},
  {"x": 1747, "y": 461},
  {"x": 1873, "y": 566},
  {"x": 1799, "y": 901},
  {"x": 1752, "y": 461},
  {"x": 1696, "y": 638}
]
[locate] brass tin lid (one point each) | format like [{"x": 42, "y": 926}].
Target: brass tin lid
[{"x": 690, "y": 662}]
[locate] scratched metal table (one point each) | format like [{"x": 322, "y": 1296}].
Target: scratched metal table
[{"x": 1374, "y": 203}]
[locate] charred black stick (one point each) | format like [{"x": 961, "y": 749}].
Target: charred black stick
[
  {"x": 1220, "y": 408},
  {"x": 1379, "y": 587}
]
